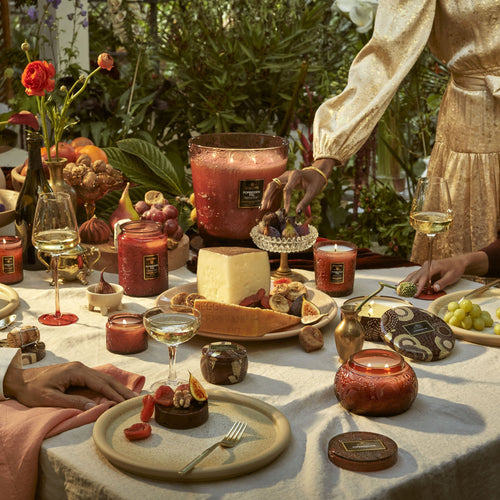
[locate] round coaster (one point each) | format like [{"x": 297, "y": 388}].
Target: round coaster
[
  {"x": 362, "y": 451},
  {"x": 417, "y": 334}
]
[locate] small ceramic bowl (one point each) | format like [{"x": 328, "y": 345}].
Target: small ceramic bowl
[
  {"x": 105, "y": 302},
  {"x": 8, "y": 197}
]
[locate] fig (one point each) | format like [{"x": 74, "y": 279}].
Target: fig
[
  {"x": 196, "y": 389},
  {"x": 153, "y": 197},
  {"x": 289, "y": 231},
  {"x": 296, "y": 306},
  {"x": 311, "y": 338},
  {"x": 296, "y": 289},
  {"x": 103, "y": 286},
  {"x": 179, "y": 299},
  {"x": 279, "y": 303},
  {"x": 309, "y": 309},
  {"x": 192, "y": 297}
]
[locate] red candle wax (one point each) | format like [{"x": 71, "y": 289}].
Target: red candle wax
[
  {"x": 126, "y": 334},
  {"x": 334, "y": 267},
  {"x": 142, "y": 258},
  {"x": 376, "y": 382},
  {"x": 11, "y": 260}
]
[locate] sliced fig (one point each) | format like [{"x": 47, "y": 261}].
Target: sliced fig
[
  {"x": 197, "y": 390},
  {"x": 192, "y": 297},
  {"x": 296, "y": 289},
  {"x": 280, "y": 288},
  {"x": 279, "y": 303},
  {"x": 179, "y": 299}
]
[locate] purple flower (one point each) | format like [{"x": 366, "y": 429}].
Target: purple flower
[
  {"x": 83, "y": 13},
  {"x": 54, "y": 3},
  {"x": 33, "y": 13},
  {"x": 50, "y": 21},
  {"x": 85, "y": 22}
]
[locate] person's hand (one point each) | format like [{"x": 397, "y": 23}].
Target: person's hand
[
  {"x": 309, "y": 181},
  {"x": 48, "y": 385}
]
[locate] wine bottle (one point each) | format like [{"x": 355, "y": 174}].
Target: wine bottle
[{"x": 35, "y": 183}]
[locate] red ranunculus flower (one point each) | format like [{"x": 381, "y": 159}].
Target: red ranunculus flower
[
  {"x": 38, "y": 78},
  {"x": 105, "y": 61}
]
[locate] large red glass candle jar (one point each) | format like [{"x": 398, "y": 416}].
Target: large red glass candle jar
[
  {"x": 376, "y": 382},
  {"x": 334, "y": 267},
  {"x": 11, "y": 260},
  {"x": 126, "y": 334},
  {"x": 230, "y": 173},
  {"x": 142, "y": 258}
]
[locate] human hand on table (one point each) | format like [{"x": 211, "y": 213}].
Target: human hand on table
[
  {"x": 309, "y": 180},
  {"x": 48, "y": 385}
]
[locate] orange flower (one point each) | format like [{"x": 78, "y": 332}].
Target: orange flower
[
  {"x": 38, "y": 77},
  {"x": 105, "y": 61}
]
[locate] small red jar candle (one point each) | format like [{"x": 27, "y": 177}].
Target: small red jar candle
[
  {"x": 11, "y": 260},
  {"x": 376, "y": 382},
  {"x": 125, "y": 333},
  {"x": 142, "y": 258},
  {"x": 334, "y": 267}
]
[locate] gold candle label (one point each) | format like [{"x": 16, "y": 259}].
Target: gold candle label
[
  {"x": 151, "y": 267},
  {"x": 8, "y": 265},
  {"x": 364, "y": 445},
  {"x": 418, "y": 328},
  {"x": 337, "y": 273},
  {"x": 250, "y": 193}
]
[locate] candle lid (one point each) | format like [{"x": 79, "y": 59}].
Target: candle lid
[
  {"x": 362, "y": 451},
  {"x": 417, "y": 334}
]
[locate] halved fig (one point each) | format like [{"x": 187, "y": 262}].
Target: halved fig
[
  {"x": 279, "y": 303},
  {"x": 197, "y": 390}
]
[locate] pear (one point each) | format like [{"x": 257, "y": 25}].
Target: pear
[{"x": 124, "y": 210}]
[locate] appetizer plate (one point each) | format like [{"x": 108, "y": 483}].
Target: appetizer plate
[
  {"x": 323, "y": 301},
  {"x": 489, "y": 301},
  {"x": 9, "y": 300},
  {"x": 167, "y": 451}
]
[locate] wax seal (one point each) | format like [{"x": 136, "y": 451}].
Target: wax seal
[{"x": 362, "y": 451}]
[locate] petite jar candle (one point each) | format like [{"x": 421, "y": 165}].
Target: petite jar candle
[
  {"x": 142, "y": 258},
  {"x": 125, "y": 333},
  {"x": 376, "y": 382},
  {"x": 11, "y": 260},
  {"x": 334, "y": 267}
]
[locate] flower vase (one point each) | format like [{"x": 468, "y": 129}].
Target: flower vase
[
  {"x": 57, "y": 182},
  {"x": 349, "y": 334}
]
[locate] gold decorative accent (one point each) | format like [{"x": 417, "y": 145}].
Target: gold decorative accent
[
  {"x": 278, "y": 182},
  {"x": 316, "y": 169}
]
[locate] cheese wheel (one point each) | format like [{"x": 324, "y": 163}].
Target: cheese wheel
[{"x": 231, "y": 319}]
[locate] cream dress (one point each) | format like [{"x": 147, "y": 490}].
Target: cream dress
[{"x": 465, "y": 35}]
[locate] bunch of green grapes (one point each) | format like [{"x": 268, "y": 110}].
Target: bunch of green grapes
[{"x": 465, "y": 314}]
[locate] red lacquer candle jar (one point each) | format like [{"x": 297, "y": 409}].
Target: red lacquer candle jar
[
  {"x": 334, "y": 267},
  {"x": 126, "y": 334},
  {"x": 142, "y": 258},
  {"x": 376, "y": 382},
  {"x": 11, "y": 260}
]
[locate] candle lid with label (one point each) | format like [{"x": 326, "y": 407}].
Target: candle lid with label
[
  {"x": 362, "y": 451},
  {"x": 417, "y": 334}
]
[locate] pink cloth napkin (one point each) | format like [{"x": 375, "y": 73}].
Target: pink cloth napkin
[{"x": 23, "y": 429}]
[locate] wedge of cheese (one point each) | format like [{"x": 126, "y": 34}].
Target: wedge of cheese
[
  {"x": 229, "y": 274},
  {"x": 231, "y": 319}
]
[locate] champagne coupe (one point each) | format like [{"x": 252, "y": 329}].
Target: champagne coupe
[
  {"x": 431, "y": 214},
  {"x": 172, "y": 325},
  {"x": 55, "y": 231}
]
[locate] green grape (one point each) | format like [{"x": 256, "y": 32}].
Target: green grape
[
  {"x": 478, "y": 324},
  {"x": 496, "y": 329},
  {"x": 466, "y": 305},
  {"x": 453, "y": 306},
  {"x": 498, "y": 313},
  {"x": 459, "y": 314},
  {"x": 488, "y": 320},
  {"x": 475, "y": 312},
  {"x": 467, "y": 323},
  {"x": 454, "y": 321},
  {"x": 448, "y": 316}
]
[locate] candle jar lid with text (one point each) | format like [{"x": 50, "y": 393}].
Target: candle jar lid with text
[{"x": 376, "y": 382}]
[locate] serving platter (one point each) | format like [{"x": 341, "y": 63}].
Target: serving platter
[
  {"x": 9, "y": 300},
  {"x": 323, "y": 301},
  {"x": 167, "y": 451},
  {"x": 489, "y": 301}
]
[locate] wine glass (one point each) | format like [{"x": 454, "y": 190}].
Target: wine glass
[
  {"x": 431, "y": 214},
  {"x": 172, "y": 325},
  {"x": 55, "y": 231}
]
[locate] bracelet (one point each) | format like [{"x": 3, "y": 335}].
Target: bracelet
[{"x": 316, "y": 169}]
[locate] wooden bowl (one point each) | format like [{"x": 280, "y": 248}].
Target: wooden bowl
[
  {"x": 9, "y": 198},
  {"x": 17, "y": 178}
]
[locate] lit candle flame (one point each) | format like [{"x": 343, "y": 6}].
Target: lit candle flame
[{"x": 335, "y": 247}]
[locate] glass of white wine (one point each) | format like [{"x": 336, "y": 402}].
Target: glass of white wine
[
  {"x": 55, "y": 231},
  {"x": 431, "y": 213},
  {"x": 172, "y": 325}
]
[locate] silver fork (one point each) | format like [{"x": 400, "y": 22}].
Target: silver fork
[{"x": 232, "y": 438}]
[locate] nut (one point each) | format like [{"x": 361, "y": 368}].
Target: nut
[{"x": 182, "y": 398}]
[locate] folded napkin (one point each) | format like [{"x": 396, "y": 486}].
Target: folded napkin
[{"x": 23, "y": 429}]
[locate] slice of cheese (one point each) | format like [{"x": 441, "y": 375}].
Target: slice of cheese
[
  {"x": 232, "y": 319},
  {"x": 229, "y": 274}
]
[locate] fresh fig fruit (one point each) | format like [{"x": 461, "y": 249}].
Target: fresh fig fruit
[
  {"x": 296, "y": 306},
  {"x": 103, "y": 286},
  {"x": 289, "y": 231},
  {"x": 311, "y": 338},
  {"x": 197, "y": 390},
  {"x": 309, "y": 309}
]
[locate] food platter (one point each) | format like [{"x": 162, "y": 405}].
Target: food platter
[
  {"x": 9, "y": 300},
  {"x": 166, "y": 451},
  {"x": 489, "y": 301},
  {"x": 323, "y": 301}
]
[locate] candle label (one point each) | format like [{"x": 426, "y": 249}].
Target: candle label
[
  {"x": 250, "y": 193},
  {"x": 418, "y": 328},
  {"x": 8, "y": 265},
  {"x": 151, "y": 266},
  {"x": 337, "y": 273},
  {"x": 364, "y": 445}
]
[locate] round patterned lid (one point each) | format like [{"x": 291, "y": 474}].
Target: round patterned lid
[{"x": 417, "y": 334}]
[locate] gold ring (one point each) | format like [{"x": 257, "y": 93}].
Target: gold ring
[{"x": 278, "y": 182}]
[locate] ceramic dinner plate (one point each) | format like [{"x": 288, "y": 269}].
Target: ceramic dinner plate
[
  {"x": 9, "y": 300},
  {"x": 167, "y": 451},
  {"x": 489, "y": 301},
  {"x": 323, "y": 301}
]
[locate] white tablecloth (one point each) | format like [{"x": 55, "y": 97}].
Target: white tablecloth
[{"x": 449, "y": 440}]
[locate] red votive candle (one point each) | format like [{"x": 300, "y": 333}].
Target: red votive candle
[
  {"x": 11, "y": 260},
  {"x": 125, "y": 333},
  {"x": 142, "y": 258},
  {"x": 334, "y": 267},
  {"x": 376, "y": 382}
]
